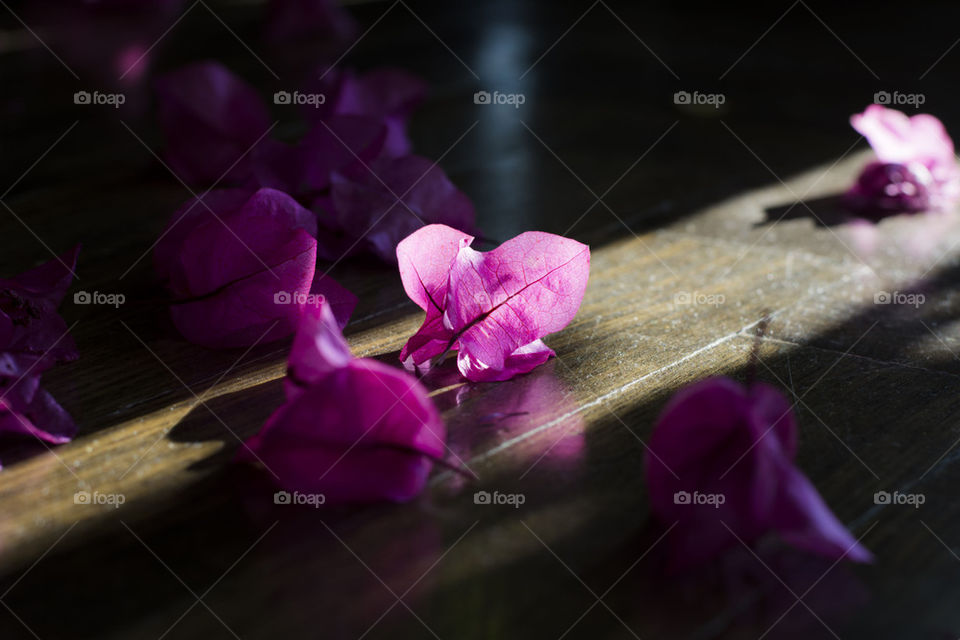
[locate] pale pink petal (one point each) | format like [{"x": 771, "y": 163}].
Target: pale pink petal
[
  {"x": 425, "y": 258},
  {"x": 523, "y": 360},
  {"x": 526, "y": 288}
]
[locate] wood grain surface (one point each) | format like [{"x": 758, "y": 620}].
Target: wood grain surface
[{"x": 701, "y": 222}]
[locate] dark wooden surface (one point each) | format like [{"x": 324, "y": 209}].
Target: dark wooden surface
[{"x": 736, "y": 202}]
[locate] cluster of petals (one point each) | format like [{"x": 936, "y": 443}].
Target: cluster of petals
[{"x": 915, "y": 169}]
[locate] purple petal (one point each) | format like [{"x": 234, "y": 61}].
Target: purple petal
[
  {"x": 718, "y": 439},
  {"x": 318, "y": 349},
  {"x": 29, "y": 322},
  {"x": 364, "y": 432},
  {"x": 289, "y": 20},
  {"x": 241, "y": 270},
  {"x": 210, "y": 118},
  {"x": 386, "y": 94},
  {"x": 254, "y": 308},
  {"x": 387, "y": 200},
  {"x": 431, "y": 340},
  {"x": 343, "y": 143},
  {"x": 889, "y": 188},
  {"x": 804, "y": 520}
]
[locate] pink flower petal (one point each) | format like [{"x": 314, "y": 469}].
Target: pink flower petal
[
  {"x": 424, "y": 258},
  {"x": 503, "y": 299},
  {"x": 916, "y": 168},
  {"x": 523, "y": 360},
  {"x": 496, "y": 305},
  {"x": 896, "y": 137},
  {"x": 354, "y": 430},
  {"x": 431, "y": 340}
]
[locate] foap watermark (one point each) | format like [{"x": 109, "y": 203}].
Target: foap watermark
[
  {"x": 696, "y": 498},
  {"x": 898, "y": 297},
  {"x": 314, "y": 500},
  {"x": 96, "y": 498},
  {"x": 513, "y": 99},
  {"x": 295, "y": 297},
  {"x": 512, "y": 499},
  {"x": 684, "y": 298},
  {"x": 899, "y": 99},
  {"x": 96, "y": 297},
  {"x": 912, "y": 499},
  {"x": 697, "y": 98},
  {"x": 97, "y": 98},
  {"x": 312, "y": 99}
]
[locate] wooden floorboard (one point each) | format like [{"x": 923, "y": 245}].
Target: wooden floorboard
[{"x": 734, "y": 209}]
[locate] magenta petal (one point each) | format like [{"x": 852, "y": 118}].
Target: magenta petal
[
  {"x": 256, "y": 308},
  {"x": 916, "y": 168},
  {"x": 210, "y": 118},
  {"x": 385, "y": 201},
  {"x": 351, "y": 429},
  {"x": 425, "y": 258},
  {"x": 194, "y": 212},
  {"x": 524, "y": 289},
  {"x": 888, "y": 188},
  {"x": 365, "y": 432},
  {"x": 342, "y": 143},
  {"x": 430, "y": 341},
  {"x": 318, "y": 349},
  {"x": 241, "y": 271},
  {"x": 341, "y": 301},
  {"x": 523, "y": 360},
  {"x": 496, "y": 306},
  {"x": 707, "y": 440},
  {"x": 252, "y": 240}
]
